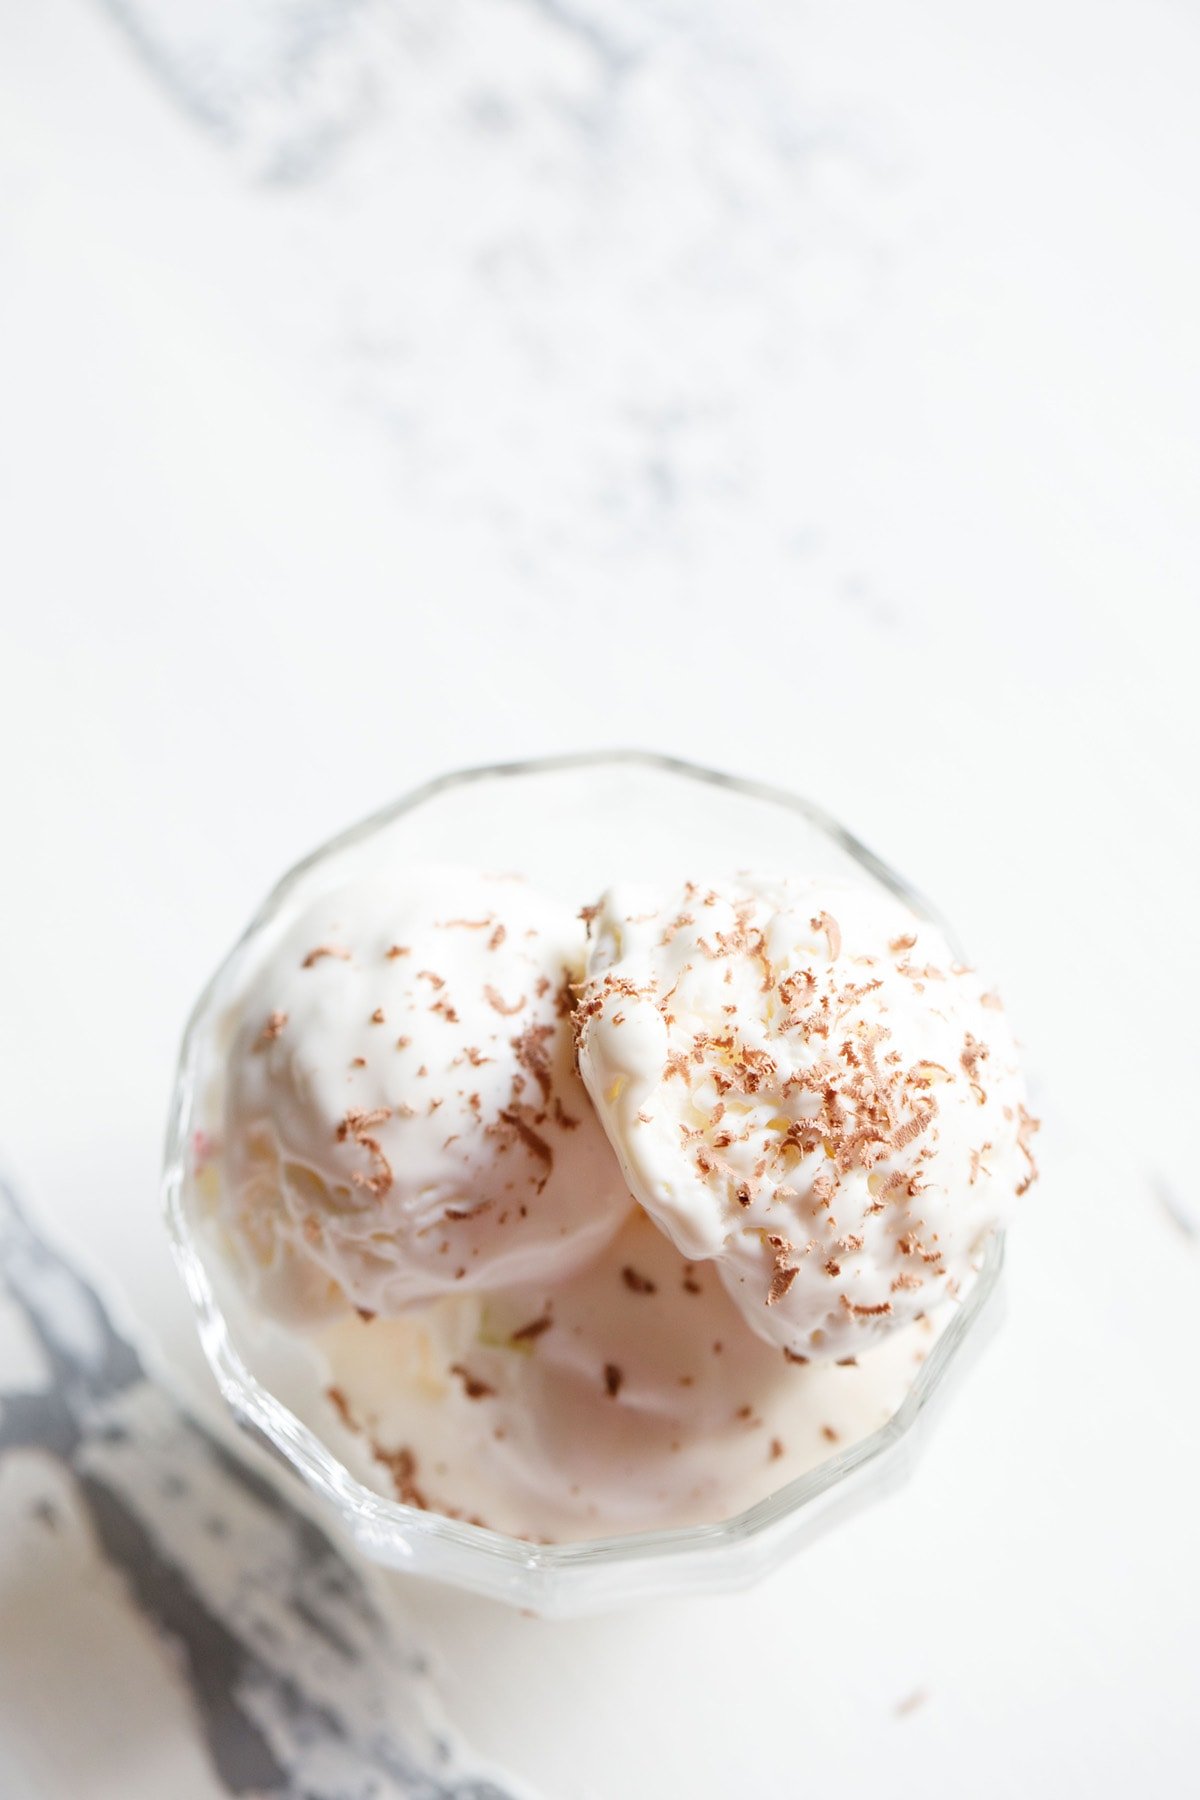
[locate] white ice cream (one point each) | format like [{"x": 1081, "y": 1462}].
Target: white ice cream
[
  {"x": 806, "y": 1088},
  {"x": 629, "y": 1397},
  {"x": 819, "y": 1111},
  {"x": 402, "y": 1116}
]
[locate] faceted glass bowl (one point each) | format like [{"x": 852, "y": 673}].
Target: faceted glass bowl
[{"x": 572, "y": 825}]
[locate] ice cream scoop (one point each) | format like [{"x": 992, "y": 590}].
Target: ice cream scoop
[
  {"x": 806, "y": 1088},
  {"x": 628, "y": 1397},
  {"x": 402, "y": 1116}
]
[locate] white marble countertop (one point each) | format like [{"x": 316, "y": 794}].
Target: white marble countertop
[{"x": 810, "y": 390}]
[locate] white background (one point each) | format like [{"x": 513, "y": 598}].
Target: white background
[{"x": 815, "y": 395}]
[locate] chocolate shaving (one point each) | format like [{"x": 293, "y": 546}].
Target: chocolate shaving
[
  {"x": 1026, "y": 1129},
  {"x": 822, "y": 1191},
  {"x": 833, "y": 933},
  {"x": 401, "y": 1465},
  {"x": 866, "y": 1312},
  {"x": 562, "y": 1118},
  {"x": 677, "y": 924},
  {"x": 342, "y": 1407},
  {"x": 380, "y": 1179},
  {"x": 498, "y": 1003},
  {"x": 271, "y": 1030},
  {"x": 514, "y": 1117},
  {"x": 533, "y": 1055},
  {"x": 913, "y": 1128},
  {"x": 526, "y": 1334},
  {"x": 358, "y": 1125},
  {"x": 314, "y": 956},
  {"x": 612, "y": 1380},
  {"x": 911, "y": 1245},
  {"x": 781, "y": 1281},
  {"x": 638, "y": 1284},
  {"x": 467, "y": 1212},
  {"x": 356, "y": 1122},
  {"x": 895, "y": 1181},
  {"x": 473, "y": 1387}
]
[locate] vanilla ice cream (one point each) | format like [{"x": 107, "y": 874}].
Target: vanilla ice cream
[
  {"x": 818, "y": 1109},
  {"x": 807, "y": 1090},
  {"x": 628, "y": 1397},
  {"x": 400, "y": 1114}
]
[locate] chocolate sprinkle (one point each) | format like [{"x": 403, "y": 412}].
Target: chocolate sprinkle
[{"x": 638, "y": 1284}]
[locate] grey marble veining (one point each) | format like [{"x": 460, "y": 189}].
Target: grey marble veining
[
  {"x": 298, "y": 1689},
  {"x": 581, "y": 264}
]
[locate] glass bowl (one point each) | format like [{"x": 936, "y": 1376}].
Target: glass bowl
[{"x": 571, "y": 824}]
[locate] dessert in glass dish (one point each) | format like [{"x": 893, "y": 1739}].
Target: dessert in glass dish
[{"x": 586, "y": 1171}]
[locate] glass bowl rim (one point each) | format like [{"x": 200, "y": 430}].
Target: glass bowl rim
[{"x": 253, "y": 1404}]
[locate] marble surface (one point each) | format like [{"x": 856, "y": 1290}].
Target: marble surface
[
  {"x": 810, "y": 390},
  {"x": 214, "y": 1640}
]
